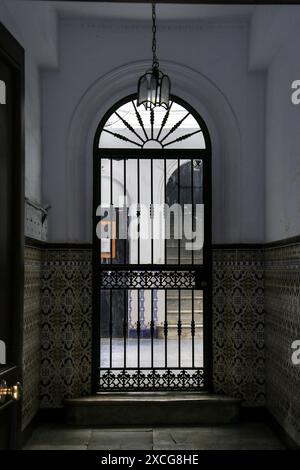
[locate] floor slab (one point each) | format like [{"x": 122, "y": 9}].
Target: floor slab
[
  {"x": 120, "y": 439},
  {"x": 55, "y": 435},
  {"x": 238, "y": 436},
  {"x": 241, "y": 436}
]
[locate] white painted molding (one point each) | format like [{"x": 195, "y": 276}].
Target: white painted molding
[
  {"x": 196, "y": 89},
  {"x": 2, "y": 92},
  {"x": 2, "y": 352}
]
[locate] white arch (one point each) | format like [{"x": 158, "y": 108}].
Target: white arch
[{"x": 205, "y": 97}]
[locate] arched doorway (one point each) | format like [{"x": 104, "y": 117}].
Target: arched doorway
[{"x": 151, "y": 271}]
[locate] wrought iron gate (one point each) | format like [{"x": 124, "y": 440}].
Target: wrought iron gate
[{"x": 151, "y": 281}]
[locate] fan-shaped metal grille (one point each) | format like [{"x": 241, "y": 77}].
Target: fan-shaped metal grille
[{"x": 155, "y": 128}]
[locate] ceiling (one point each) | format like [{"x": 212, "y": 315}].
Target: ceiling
[
  {"x": 142, "y": 11},
  {"x": 34, "y": 22}
]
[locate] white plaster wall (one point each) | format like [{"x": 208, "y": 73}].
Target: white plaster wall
[
  {"x": 24, "y": 24},
  {"x": 283, "y": 145},
  {"x": 33, "y": 142},
  {"x": 218, "y": 53}
]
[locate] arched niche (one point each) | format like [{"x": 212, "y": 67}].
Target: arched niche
[{"x": 204, "y": 96}]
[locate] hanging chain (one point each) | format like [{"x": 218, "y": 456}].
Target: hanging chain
[{"x": 155, "y": 63}]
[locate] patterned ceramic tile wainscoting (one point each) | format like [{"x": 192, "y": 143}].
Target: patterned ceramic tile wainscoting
[
  {"x": 245, "y": 283},
  {"x": 282, "y": 303},
  {"x": 31, "y": 333},
  {"x": 238, "y": 329},
  {"x": 66, "y": 325},
  {"x": 238, "y": 324}
]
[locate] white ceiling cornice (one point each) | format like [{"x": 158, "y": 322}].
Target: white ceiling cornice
[
  {"x": 35, "y": 27},
  {"x": 271, "y": 28}
]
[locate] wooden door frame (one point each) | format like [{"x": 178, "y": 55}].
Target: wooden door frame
[{"x": 13, "y": 53}]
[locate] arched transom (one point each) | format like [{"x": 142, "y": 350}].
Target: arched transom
[{"x": 135, "y": 127}]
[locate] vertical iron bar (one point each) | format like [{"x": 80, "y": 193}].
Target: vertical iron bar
[
  {"x": 138, "y": 332},
  {"x": 193, "y": 326},
  {"x": 125, "y": 304},
  {"x": 125, "y": 215},
  {"x": 138, "y": 206},
  {"x": 125, "y": 326},
  {"x": 100, "y": 342},
  {"x": 166, "y": 262},
  {"x": 181, "y": 228},
  {"x": 166, "y": 329},
  {"x": 110, "y": 327},
  {"x": 152, "y": 331},
  {"x": 179, "y": 328},
  {"x": 111, "y": 202},
  {"x": 99, "y": 313},
  {"x": 192, "y": 194},
  {"x": 151, "y": 210},
  {"x": 100, "y": 201},
  {"x": 152, "y": 246},
  {"x": 193, "y": 330},
  {"x": 165, "y": 212}
]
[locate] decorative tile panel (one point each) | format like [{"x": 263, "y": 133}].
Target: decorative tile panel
[
  {"x": 31, "y": 334},
  {"x": 238, "y": 324},
  {"x": 282, "y": 303},
  {"x": 66, "y": 325}
]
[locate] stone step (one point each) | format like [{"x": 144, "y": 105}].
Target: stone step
[
  {"x": 184, "y": 295},
  {"x": 151, "y": 409},
  {"x": 185, "y": 306},
  {"x": 184, "y": 313}
]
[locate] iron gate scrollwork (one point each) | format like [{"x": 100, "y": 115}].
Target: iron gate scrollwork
[{"x": 151, "y": 271}]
